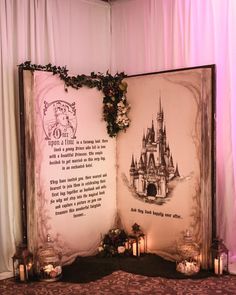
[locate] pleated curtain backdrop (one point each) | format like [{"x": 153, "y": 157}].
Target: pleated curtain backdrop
[
  {"x": 156, "y": 35},
  {"x": 63, "y": 32},
  {"x": 147, "y": 35}
]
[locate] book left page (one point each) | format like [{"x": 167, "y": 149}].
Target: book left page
[{"x": 70, "y": 166}]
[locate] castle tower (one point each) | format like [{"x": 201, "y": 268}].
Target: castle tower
[
  {"x": 132, "y": 172},
  {"x": 144, "y": 141},
  {"x": 152, "y": 133},
  {"x": 159, "y": 121},
  {"x": 167, "y": 151},
  {"x": 164, "y": 137},
  {"x": 141, "y": 177}
]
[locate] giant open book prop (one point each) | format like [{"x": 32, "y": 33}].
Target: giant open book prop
[{"x": 159, "y": 174}]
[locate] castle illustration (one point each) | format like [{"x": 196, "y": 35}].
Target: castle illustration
[{"x": 152, "y": 173}]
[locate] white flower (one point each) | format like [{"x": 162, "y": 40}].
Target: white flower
[
  {"x": 58, "y": 269},
  {"x": 121, "y": 249},
  {"x": 100, "y": 249},
  {"x": 48, "y": 268}
]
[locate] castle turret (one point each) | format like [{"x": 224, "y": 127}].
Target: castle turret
[
  {"x": 167, "y": 151},
  {"x": 152, "y": 132},
  {"x": 140, "y": 185},
  {"x": 159, "y": 122},
  {"x": 144, "y": 141},
  {"x": 177, "y": 171},
  {"x": 164, "y": 137},
  {"x": 132, "y": 171},
  {"x": 140, "y": 165},
  {"x": 171, "y": 162}
]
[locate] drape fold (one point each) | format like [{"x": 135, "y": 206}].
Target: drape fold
[
  {"x": 69, "y": 33},
  {"x": 156, "y": 35}
]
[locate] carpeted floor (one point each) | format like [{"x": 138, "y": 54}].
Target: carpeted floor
[
  {"x": 148, "y": 275},
  {"x": 123, "y": 283}
]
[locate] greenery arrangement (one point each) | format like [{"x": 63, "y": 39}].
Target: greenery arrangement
[
  {"x": 113, "y": 243},
  {"x": 118, "y": 243},
  {"x": 115, "y": 105}
]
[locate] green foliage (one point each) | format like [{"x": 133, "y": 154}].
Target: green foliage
[{"x": 115, "y": 106}]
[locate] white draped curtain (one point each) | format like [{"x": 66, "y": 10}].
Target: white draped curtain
[
  {"x": 147, "y": 35},
  {"x": 156, "y": 35},
  {"x": 63, "y": 32}
]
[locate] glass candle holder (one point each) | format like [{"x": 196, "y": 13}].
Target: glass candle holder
[
  {"x": 189, "y": 253},
  {"x": 49, "y": 266}
]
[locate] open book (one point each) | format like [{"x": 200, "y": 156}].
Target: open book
[{"x": 158, "y": 174}]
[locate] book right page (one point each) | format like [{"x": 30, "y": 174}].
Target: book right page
[{"x": 164, "y": 158}]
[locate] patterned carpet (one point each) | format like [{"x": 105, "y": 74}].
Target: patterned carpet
[{"x": 123, "y": 283}]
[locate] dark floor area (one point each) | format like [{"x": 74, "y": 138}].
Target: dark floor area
[{"x": 87, "y": 269}]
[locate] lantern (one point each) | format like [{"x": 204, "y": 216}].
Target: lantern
[
  {"x": 189, "y": 253},
  {"x": 22, "y": 264},
  {"x": 134, "y": 245},
  {"x": 48, "y": 262},
  {"x": 220, "y": 257},
  {"x": 137, "y": 241}
]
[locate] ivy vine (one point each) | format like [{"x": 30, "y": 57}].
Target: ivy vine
[{"x": 115, "y": 105}]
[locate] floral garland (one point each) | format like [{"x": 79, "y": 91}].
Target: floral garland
[{"x": 115, "y": 105}]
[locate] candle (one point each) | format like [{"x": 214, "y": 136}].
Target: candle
[
  {"x": 218, "y": 266},
  {"x": 22, "y": 272},
  {"x": 136, "y": 249},
  {"x": 142, "y": 245}
]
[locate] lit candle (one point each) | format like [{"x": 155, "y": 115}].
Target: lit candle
[
  {"x": 142, "y": 245},
  {"x": 22, "y": 272},
  {"x": 136, "y": 250},
  {"x": 218, "y": 266}
]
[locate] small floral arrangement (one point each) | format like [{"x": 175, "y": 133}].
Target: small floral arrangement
[
  {"x": 116, "y": 107},
  {"x": 50, "y": 272},
  {"x": 113, "y": 243}
]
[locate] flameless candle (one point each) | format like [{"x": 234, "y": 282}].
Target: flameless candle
[
  {"x": 142, "y": 246},
  {"x": 22, "y": 272},
  {"x": 135, "y": 248},
  {"x": 218, "y": 268}
]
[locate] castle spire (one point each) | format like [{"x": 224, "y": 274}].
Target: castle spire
[
  {"x": 160, "y": 108},
  {"x": 177, "y": 171},
  {"x": 159, "y": 120},
  {"x": 140, "y": 164},
  {"x": 152, "y": 126},
  {"x": 132, "y": 161},
  {"x": 132, "y": 166},
  {"x": 144, "y": 140},
  {"x": 171, "y": 162}
]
